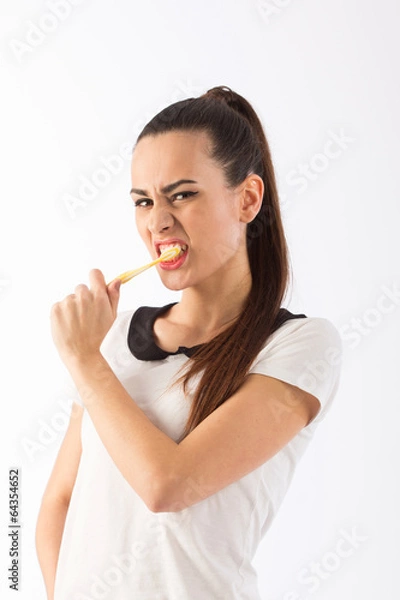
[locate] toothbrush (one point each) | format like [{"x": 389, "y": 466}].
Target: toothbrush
[{"x": 168, "y": 254}]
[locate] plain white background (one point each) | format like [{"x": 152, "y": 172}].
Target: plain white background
[{"x": 79, "y": 81}]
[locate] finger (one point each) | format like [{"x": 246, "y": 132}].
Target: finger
[
  {"x": 97, "y": 281},
  {"x": 113, "y": 294},
  {"x": 69, "y": 300},
  {"x": 55, "y": 310},
  {"x": 81, "y": 288}
]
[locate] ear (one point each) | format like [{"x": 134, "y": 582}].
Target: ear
[{"x": 252, "y": 192}]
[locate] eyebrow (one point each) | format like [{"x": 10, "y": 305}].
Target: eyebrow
[{"x": 165, "y": 190}]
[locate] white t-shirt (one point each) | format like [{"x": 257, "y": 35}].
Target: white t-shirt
[{"x": 115, "y": 548}]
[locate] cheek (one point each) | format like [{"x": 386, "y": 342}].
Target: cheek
[
  {"x": 220, "y": 242},
  {"x": 224, "y": 249}
]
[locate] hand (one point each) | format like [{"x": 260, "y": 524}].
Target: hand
[{"x": 79, "y": 323}]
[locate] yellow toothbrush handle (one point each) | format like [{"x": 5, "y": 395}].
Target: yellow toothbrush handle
[{"x": 128, "y": 275}]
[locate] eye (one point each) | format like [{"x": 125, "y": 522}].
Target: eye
[
  {"x": 141, "y": 202},
  {"x": 183, "y": 195},
  {"x": 145, "y": 202}
]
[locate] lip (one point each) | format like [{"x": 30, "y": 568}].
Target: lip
[
  {"x": 170, "y": 265},
  {"x": 177, "y": 262}
]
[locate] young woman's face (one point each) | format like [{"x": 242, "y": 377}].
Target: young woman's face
[{"x": 201, "y": 215}]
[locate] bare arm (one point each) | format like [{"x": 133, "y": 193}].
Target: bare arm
[
  {"x": 55, "y": 501},
  {"x": 244, "y": 432},
  {"x": 240, "y": 435}
]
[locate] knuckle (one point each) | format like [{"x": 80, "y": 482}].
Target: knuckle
[
  {"x": 55, "y": 308},
  {"x": 81, "y": 288}
]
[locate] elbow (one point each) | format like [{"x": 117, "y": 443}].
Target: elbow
[
  {"x": 160, "y": 501},
  {"x": 155, "y": 501},
  {"x": 154, "y": 493},
  {"x": 157, "y": 504},
  {"x": 166, "y": 496}
]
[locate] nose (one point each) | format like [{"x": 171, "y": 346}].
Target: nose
[{"x": 160, "y": 218}]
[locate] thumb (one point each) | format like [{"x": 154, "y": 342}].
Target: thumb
[{"x": 113, "y": 294}]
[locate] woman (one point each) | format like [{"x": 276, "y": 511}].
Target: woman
[{"x": 192, "y": 417}]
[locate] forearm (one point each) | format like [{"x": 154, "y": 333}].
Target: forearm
[
  {"x": 49, "y": 530},
  {"x": 144, "y": 455}
]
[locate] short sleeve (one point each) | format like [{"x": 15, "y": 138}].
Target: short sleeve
[{"x": 307, "y": 353}]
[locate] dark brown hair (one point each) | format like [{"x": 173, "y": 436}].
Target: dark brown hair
[{"x": 239, "y": 147}]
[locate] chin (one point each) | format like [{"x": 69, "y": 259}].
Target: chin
[
  {"x": 171, "y": 285},
  {"x": 174, "y": 288}
]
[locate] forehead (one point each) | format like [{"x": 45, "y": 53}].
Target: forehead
[{"x": 169, "y": 154}]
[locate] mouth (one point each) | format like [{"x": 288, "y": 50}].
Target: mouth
[
  {"x": 178, "y": 260},
  {"x": 182, "y": 250}
]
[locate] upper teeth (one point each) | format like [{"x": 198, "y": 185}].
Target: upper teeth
[{"x": 164, "y": 247}]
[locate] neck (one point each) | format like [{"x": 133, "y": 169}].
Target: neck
[{"x": 215, "y": 303}]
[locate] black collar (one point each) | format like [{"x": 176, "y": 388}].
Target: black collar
[{"x": 141, "y": 340}]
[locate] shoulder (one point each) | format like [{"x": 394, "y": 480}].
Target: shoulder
[
  {"x": 304, "y": 331},
  {"x": 305, "y": 352},
  {"x": 302, "y": 343}
]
